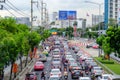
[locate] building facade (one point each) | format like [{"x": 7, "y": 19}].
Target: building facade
[
  {"x": 23, "y": 20},
  {"x": 111, "y": 11},
  {"x": 96, "y": 19},
  {"x": 54, "y": 16}
]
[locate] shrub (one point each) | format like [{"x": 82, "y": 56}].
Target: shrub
[
  {"x": 104, "y": 61},
  {"x": 107, "y": 62}
]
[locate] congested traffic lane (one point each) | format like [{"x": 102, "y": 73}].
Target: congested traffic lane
[
  {"x": 46, "y": 70},
  {"x": 52, "y": 54}
]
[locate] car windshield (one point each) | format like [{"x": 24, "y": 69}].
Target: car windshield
[
  {"x": 105, "y": 77},
  {"x": 56, "y": 59},
  {"x": 73, "y": 64},
  {"x": 97, "y": 68},
  {"x": 54, "y": 78},
  {"x": 29, "y": 75},
  {"x": 55, "y": 71},
  {"x": 38, "y": 63}
]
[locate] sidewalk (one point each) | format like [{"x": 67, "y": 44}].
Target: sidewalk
[
  {"x": 8, "y": 68},
  {"x": 28, "y": 68}
]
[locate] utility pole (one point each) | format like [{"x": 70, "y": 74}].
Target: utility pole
[
  {"x": 1, "y": 6},
  {"x": 41, "y": 12},
  {"x": 31, "y": 14}
]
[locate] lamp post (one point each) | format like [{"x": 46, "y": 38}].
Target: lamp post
[{"x": 99, "y": 4}]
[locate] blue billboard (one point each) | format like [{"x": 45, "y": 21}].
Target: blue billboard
[
  {"x": 62, "y": 15},
  {"x": 71, "y": 15},
  {"x": 67, "y": 15}
]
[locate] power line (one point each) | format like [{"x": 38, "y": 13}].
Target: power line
[
  {"x": 14, "y": 9},
  {"x": 17, "y": 8},
  {"x": 9, "y": 11}
]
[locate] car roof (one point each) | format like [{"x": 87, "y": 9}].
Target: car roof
[
  {"x": 54, "y": 69},
  {"x": 84, "y": 78}
]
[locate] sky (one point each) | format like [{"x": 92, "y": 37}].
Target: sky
[{"x": 80, "y": 6}]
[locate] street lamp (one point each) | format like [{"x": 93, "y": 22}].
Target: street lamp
[{"x": 99, "y": 4}]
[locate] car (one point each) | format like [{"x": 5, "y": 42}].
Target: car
[
  {"x": 56, "y": 51},
  {"x": 38, "y": 65},
  {"x": 42, "y": 58},
  {"x": 56, "y": 56},
  {"x": 84, "y": 78},
  {"x": 31, "y": 76},
  {"x": 114, "y": 77},
  {"x": 95, "y": 46},
  {"x": 55, "y": 72},
  {"x": 68, "y": 56},
  {"x": 54, "y": 77},
  {"x": 76, "y": 49},
  {"x": 92, "y": 64},
  {"x": 104, "y": 77},
  {"x": 89, "y": 45},
  {"x": 75, "y": 74},
  {"x": 56, "y": 63},
  {"x": 71, "y": 65},
  {"x": 97, "y": 71},
  {"x": 71, "y": 60}
]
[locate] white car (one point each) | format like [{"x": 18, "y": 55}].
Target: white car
[
  {"x": 97, "y": 71},
  {"x": 84, "y": 78},
  {"x": 104, "y": 77},
  {"x": 56, "y": 72},
  {"x": 54, "y": 77},
  {"x": 68, "y": 56}
]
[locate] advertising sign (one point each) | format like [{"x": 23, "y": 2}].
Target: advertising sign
[
  {"x": 67, "y": 15},
  {"x": 71, "y": 15},
  {"x": 62, "y": 15}
]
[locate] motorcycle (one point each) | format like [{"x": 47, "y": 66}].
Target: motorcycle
[
  {"x": 65, "y": 76},
  {"x": 42, "y": 78}
]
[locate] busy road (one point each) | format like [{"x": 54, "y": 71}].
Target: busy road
[{"x": 64, "y": 62}]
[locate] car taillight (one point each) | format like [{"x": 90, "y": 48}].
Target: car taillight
[
  {"x": 94, "y": 71},
  {"x": 51, "y": 74},
  {"x": 59, "y": 74},
  {"x": 77, "y": 68},
  {"x": 72, "y": 72}
]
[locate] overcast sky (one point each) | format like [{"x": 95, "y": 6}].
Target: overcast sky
[{"x": 80, "y": 6}]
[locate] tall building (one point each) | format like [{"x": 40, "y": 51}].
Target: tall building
[
  {"x": 111, "y": 11},
  {"x": 54, "y": 16},
  {"x": 96, "y": 19}
]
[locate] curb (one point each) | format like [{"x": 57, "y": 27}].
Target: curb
[
  {"x": 104, "y": 67},
  {"x": 99, "y": 63}
]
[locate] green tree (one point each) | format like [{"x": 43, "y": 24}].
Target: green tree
[
  {"x": 106, "y": 47},
  {"x": 34, "y": 39}
]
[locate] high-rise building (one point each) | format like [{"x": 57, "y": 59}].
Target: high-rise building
[
  {"x": 96, "y": 19},
  {"x": 111, "y": 11},
  {"x": 54, "y": 16}
]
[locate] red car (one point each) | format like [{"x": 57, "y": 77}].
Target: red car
[
  {"x": 38, "y": 66},
  {"x": 95, "y": 46},
  {"x": 31, "y": 76}
]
